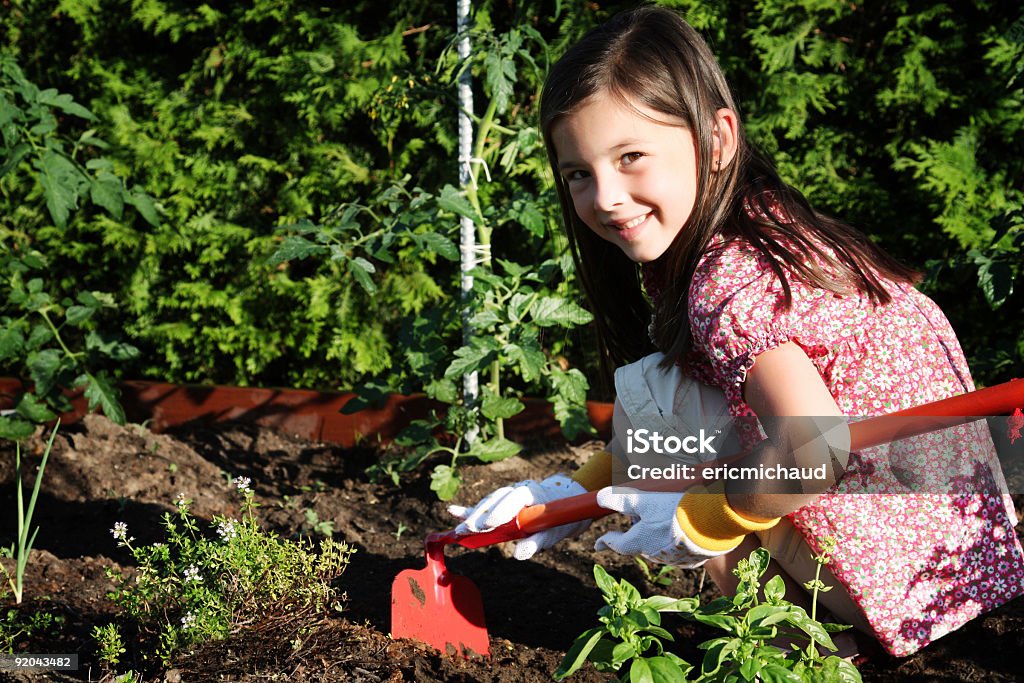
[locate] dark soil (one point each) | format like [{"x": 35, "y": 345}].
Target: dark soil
[{"x": 100, "y": 473}]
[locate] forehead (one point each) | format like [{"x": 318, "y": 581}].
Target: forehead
[{"x": 604, "y": 123}]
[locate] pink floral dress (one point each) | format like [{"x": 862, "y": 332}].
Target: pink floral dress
[{"x": 924, "y": 529}]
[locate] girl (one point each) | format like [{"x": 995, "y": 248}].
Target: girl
[{"x": 786, "y": 312}]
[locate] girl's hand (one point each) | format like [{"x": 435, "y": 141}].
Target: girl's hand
[
  {"x": 504, "y": 504},
  {"x": 655, "y": 534}
]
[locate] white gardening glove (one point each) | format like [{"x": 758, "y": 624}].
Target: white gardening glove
[
  {"x": 655, "y": 534},
  {"x": 504, "y": 504}
]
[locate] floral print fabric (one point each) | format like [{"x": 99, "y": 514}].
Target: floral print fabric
[{"x": 925, "y": 529}]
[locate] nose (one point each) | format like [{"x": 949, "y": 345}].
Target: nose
[{"x": 609, "y": 191}]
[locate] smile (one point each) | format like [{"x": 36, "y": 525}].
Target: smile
[
  {"x": 635, "y": 222},
  {"x": 631, "y": 228}
]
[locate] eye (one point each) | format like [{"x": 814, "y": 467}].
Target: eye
[
  {"x": 576, "y": 175},
  {"x": 631, "y": 157}
]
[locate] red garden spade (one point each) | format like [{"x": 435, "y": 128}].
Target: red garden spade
[{"x": 445, "y": 611}]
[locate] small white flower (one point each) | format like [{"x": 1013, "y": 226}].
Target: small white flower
[
  {"x": 243, "y": 483},
  {"x": 120, "y": 532},
  {"x": 192, "y": 574},
  {"x": 188, "y": 621},
  {"x": 182, "y": 502},
  {"x": 226, "y": 530}
]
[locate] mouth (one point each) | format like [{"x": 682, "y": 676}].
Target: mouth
[{"x": 631, "y": 228}]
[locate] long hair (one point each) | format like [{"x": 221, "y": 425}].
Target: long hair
[{"x": 651, "y": 57}]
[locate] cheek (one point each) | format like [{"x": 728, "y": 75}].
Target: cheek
[{"x": 582, "y": 205}]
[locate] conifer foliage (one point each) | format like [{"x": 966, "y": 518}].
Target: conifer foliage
[{"x": 219, "y": 124}]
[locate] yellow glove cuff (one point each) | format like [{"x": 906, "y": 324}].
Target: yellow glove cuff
[
  {"x": 707, "y": 519},
  {"x": 595, "y": 473}
]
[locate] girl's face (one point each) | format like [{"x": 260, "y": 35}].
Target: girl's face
[{"x": 633, "y": 180}]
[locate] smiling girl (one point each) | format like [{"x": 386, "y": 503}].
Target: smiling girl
[{"x": 685, "y": 237}]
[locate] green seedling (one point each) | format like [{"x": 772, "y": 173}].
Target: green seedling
[
  {"x": 629, "y": 640},
  {"x": 26, "y": 536},
  {"x": 664, "y": 576}
]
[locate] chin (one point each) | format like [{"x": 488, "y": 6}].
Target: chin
[{"x": 641, "y": 255}]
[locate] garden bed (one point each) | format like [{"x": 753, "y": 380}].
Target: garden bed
[{"x": 100, "y": 473}]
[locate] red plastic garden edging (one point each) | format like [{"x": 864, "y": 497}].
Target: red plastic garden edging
[{"x": 308, "y": 414}]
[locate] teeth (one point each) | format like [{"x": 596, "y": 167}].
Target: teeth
[{"x": 635, "y": 222}]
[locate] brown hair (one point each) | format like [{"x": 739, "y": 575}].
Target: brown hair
[{"x": 651, "y": 57}]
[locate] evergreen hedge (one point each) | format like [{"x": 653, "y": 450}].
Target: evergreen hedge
[{"x": 240, "y": 118}]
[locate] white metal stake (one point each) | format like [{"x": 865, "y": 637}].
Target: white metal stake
[{"x": 467, "y": 233}]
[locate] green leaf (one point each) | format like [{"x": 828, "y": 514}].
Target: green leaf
[
  {"x": 369, "y": 395},
  {"x": 666, "y": 670},
  {"x": 15, "y": 429},
  {"x": 107, "y": 344},
  {"x": 65, "y": 103},
  {"x": 723, "y": 621},
  {"x": 468, "y": 359},
  {"x": 437, "y": 243},
  {"x": 775, "y": 589},
  {"x": 145, "y": 205},
  {"x": 361, "y": 269},
  {"x": 102, "y": 394},
  {"x": 717, "y": 654},
  {"x": 455, "y": 201},
  {"x": 664, "y": 603},
  {"x": 443, "y": 390},
  {"x": 62, "y": 185},
  {"x": 605, "y": 582},
  {"x": 12, "y": 341},
  {"x": 108, "y": 192},
  {"x": 42, "y": 367},
  {"x": 496, "y": 407},
  {"x": 640, "y": 672},
  {"x": 750, "y": 668},
  {"x": 995, "y": 278},
  {"x": 76, "y": 315},
  {"x": 577, "y": 653},
  {"x": 445, "y": 482},
  {"x": 773, "y": 673},
  {"x": 39, "y": 335},
  {"x": 777, "y": 615},
  {"x": 494, "y": 449},
  {"x": 840, "y": 670},
  {"x": 622, "y": 652},
  {"x": 811, "y": 628},
  {"x": 14, "y": 157},
  {"x": 528, "y": 357},
  {"x": 571, "y": 385},
  {"x": 485, "y": 320},
  {"x": 499, "y": 75},
  {"x": 31, "y": 408},
  {"x": 294, "y": 248},
  {"x": 529, "y": 216},
  {"x": 549, "y": 311}
]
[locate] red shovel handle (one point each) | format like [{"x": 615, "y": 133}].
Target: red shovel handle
[{"x": 948, "y": 412}]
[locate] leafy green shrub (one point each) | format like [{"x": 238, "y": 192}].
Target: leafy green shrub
[
  {"x": 509, "y": 306},
  {"x": 195, "y": 587},
  {"x": 631, "y": 633},
  {"x": 245, "y": 117},
  {"x": 53, "y": 341}
]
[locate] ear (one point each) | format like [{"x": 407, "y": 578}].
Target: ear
[{"x": 724, "y": 138}]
